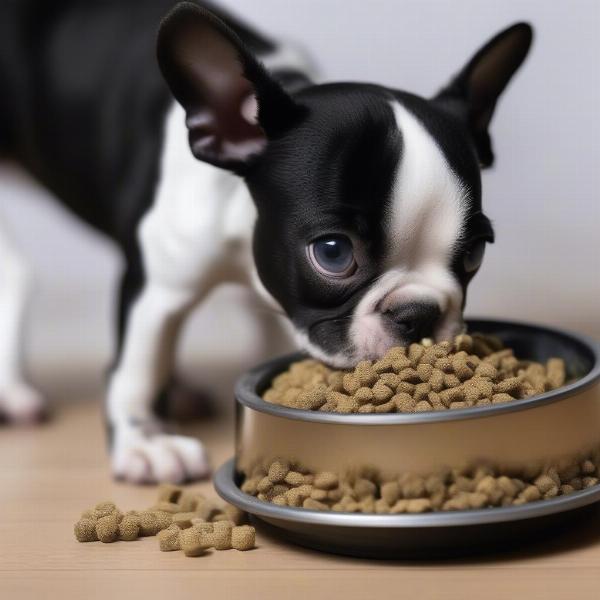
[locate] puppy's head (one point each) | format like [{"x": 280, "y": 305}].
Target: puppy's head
[{"x": 370, "y": 225}]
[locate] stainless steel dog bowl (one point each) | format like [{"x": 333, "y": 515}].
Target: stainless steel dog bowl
[{"x": 553, "y": 425}]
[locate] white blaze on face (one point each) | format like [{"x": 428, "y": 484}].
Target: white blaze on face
[{"x": 425, "y": 220}]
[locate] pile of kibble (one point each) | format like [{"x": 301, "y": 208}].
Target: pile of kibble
[
  {"x": 180, "y": 520},
  {"x": 365, "y": 490},
  {"x": 473, "y": 370}
]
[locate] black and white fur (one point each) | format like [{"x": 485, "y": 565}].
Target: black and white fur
[{"x": 277, "y": 164}]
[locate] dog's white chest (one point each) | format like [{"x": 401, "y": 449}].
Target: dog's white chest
[{"x": 202, "y": 217}]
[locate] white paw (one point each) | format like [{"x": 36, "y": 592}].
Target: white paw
[
  {"x": 138, "y": 458},
  {"x": 20, "y": 403}
]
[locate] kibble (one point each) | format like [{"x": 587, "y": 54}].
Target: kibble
[
  {"x": 192, "y": 522},
  {"x": 103, "y": 509},
  {"x": 184, "y": 520},
  {"x": 277, "y": 471},
  {"x": 169, "y": 493},
  {"x": 190, "y": 502},
  {"x": 90, "y": 513},
  {"x": 107, "y": 529},
  {"x": 194, "y": 541},
  {"x": 221, "y": 535},
  {"x": 129, "y": 528},
  {"x": 479, "y": 486},
  {"x": 85, "y": 530},
  {"x": 149, "y": 523},
  {"x": 168, "y": 507},
  {"x": 168, "y": 539},
  {"x": 326, "y": 480},
  {"x": 474, "y": 370},
  {"x": 243, "y": 537},
  {"x": 206, "y": 525}
]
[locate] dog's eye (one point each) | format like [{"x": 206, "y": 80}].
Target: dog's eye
[
  {"x": 333, "y": 256},
  {"x": 474, "y": 256}
]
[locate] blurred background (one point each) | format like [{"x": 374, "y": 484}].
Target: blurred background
[{"x": 542, "y": 195}]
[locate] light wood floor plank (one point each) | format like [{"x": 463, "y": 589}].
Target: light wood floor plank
[{"x": 49, "y": 475}]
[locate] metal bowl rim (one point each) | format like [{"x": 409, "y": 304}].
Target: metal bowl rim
[
  {"x": 226, "y": 488},
  {"x": 246, "y": 385}
]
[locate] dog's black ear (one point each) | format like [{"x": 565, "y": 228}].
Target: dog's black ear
[
  {"x": 473, "y": 93},
  {"x": 233, "y": 106}
]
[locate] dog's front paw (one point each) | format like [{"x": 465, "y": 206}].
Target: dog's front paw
[
  {"x": 22, "y": 404},
  {"x": 159, "y": 458}
]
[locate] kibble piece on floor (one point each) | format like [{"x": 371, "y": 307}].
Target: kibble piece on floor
[
  {"x": 103, "y": 509},
  {"x": 188, "y": 502},
  {"x": 149, "y": 524},
  {"x": 129, "y": 528},
  {"x": 168, "y": 507},
  {"x": 220, "y": 517},
  {"x": 184, "y": 519},
  {"x": 107, "y": 529},
  {"x": 221, "y": 535},
  {"x": 202, "y": 525},
  {"x": 90, "y": 513},
  {"x": 243, "y": 537},
  {"x": 169, "y": 493},
  {"x": 193, "y": 541},
  {"x": 85, "y": 530},
  {"x": 207, "y": 509},
  {"x": 164, "y": 519},
  {"x": 168, "y": 539}
]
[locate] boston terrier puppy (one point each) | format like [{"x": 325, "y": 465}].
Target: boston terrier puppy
[{"x": 353, "y": 208}]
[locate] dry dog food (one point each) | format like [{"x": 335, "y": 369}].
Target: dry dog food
[
  {"x": 473, "y": 370},
  {"x": 365, "y": 490},
  {"x": 242, "y": 537},
  {"x": 180, "y": 520},
  {"x": 168, "y": 539}
]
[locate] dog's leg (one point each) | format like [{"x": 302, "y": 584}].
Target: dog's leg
[
  {"x": 141, "y": 452},
  {"x": 19, "y": 402},
  {"x": 154, "y": 307}
]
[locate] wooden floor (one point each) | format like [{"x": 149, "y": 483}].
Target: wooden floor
[{"x": 48, "y": 475}]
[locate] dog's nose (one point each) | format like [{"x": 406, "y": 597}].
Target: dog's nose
[{"x": 414, "y": 321}]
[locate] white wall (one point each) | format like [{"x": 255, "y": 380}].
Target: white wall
[{"x": 542, "y": 195}]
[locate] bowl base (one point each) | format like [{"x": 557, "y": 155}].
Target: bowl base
[
  {"x": 432, "y": 535},
  {"x": 431, "y": 543}
]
